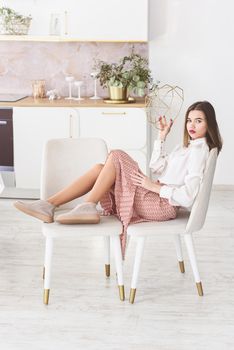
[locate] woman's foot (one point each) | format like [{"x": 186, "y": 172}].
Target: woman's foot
[
  {"x": 39, "y": 209},
  {"x": 85, "y": 213}
]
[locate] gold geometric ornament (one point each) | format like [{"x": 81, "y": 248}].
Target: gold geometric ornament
[{"x": 165, "y": 100}]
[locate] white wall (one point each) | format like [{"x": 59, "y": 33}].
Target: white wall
[{"x": 191, "y": 45}]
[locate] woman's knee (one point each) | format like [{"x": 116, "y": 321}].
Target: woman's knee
[
  {"x": 109, "y": 156},
  {"x": 120, "y": 155},
  {"x": 98, "y": 167},
  {"x": 117, "y": 153}
]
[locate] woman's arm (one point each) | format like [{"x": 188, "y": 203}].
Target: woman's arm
[
  {"x": 144, "y": 181},
  {"x": 159, "y": 157},
  {"x": 164, "y": 127},
  {"x": 184, "y": 195},
  {"x": 158, "y": 160}
]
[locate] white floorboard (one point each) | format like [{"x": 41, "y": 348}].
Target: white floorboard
[{"x": 85, "y": 312}]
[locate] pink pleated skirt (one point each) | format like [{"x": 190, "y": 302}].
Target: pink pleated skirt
[{"x": 131, "y": 203}]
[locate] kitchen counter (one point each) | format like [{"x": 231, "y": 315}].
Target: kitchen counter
[
  {"x": 35, "y": 121},
  {"x": 45, "y": 102}
]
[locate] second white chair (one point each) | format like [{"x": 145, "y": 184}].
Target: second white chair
[
  {"x": 185, "y": 224},
  {"x": 63, "y": 161}
]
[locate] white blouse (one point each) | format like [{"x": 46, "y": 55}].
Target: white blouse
[{"x": 181, "y": 171}]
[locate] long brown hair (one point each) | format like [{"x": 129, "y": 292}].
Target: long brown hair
[{"x": 213, "y": 137}]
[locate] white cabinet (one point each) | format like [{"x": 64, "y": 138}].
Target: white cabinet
[
  {"x": 121, "y": 128},
  {"x": 105, "y": 20},
  {"x": 32, "y": 128},
  {"x": 86, "y": 20}
]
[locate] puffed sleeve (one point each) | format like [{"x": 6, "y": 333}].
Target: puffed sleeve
[
  {"x": 158, "y": 160},
  {"x": 185, "y": 194}
]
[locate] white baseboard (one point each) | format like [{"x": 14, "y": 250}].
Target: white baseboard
[
  {"x": 13, "y": 192},
  {"x": 223, "y": 187}
]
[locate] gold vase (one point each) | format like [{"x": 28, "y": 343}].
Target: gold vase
[{"x": 117, "y": 93}]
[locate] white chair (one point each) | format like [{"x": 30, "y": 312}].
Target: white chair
[
  {"x": 63, "y": 161},
  {"x": 185, "y": 224}
]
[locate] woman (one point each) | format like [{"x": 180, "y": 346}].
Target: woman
[{"x": 123, "y": 190}]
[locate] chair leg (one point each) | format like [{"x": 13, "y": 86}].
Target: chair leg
[
  {"x": 47, "y": 268},
  {"x": 179, "y": 252},
  {"x": 136, "y": 268},
  {"x": 119, "y": 265},
  {"x": 107, "y": 255},
  {"x": 193, "y": 260}
]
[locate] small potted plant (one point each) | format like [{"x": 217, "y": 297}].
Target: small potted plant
[
  {"x": 131, "y": 74},
  {"x": 13, "y": 23}
]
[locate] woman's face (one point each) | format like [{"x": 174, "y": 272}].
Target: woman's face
[{"x": 196, "y": 124}]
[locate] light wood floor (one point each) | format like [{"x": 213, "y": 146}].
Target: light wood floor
[{"x": 85, "y": 312}]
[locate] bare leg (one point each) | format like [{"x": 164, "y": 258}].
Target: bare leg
[
  {"x": 86, "y": 213},
  {"x": 104, "y": 181},
  {"x": 78, "y": 188}
]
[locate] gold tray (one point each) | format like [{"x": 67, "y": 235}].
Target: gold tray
[{"x": 108, "y": 100}]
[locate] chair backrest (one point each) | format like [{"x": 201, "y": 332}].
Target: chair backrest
[
  {"x": 64, "y": 160},
  {"x": 199, "y": 209}
]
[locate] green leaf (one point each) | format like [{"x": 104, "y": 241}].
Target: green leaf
[
  {"x": 136, "y": 78},
  {"x": 141, "y": 84}
]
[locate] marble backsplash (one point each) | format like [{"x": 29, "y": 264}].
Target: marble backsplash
[{"x": 22, "y": 62}]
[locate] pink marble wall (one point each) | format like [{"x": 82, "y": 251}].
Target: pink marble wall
[{"x": 22, "y": 62}]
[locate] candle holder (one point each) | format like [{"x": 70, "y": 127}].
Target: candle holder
[
  {"x": 69, "y": 80},
  {"x": 78, "y": 84},
  {"x": 95, "y": 96}
]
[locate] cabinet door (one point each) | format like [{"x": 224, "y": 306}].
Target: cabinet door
[
  {"x": 121, "y": 128},
  {"x": 33, "y": 127},
  {"x": 106, "y": 20},
  {"x": 90, "y": 20},
  {"x": 40, "y": 12}
]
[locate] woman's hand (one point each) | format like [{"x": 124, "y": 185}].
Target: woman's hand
[
  {"x": 141, "y": 180},
  {"x": 164, "y": 127}
]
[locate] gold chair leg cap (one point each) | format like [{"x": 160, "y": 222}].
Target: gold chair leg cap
[
  {"x": 121, "y": 293},
  {"x": 107, "y": 269},
  {"x": 132, "y": 295},
  {"x": 199, "y": 289},
  {"x": 46, "y": 296},
  {"x": 181, "y": 264}
]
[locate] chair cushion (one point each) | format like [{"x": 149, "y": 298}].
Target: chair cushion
[
  {"x": 108, "y": 226},
  {"x": 174, "y": 226}
]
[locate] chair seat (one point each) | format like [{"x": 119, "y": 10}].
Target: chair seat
[
  {"x": 153, "y": 227},
  {"x": 108, "y": 226}
]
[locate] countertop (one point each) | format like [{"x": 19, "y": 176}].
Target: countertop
[{"x": 45, "y": 102}]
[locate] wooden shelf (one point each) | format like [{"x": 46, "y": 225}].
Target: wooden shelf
[
  {"x": 54, "y": 38},
  {"x": 29, "y": 38}
]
